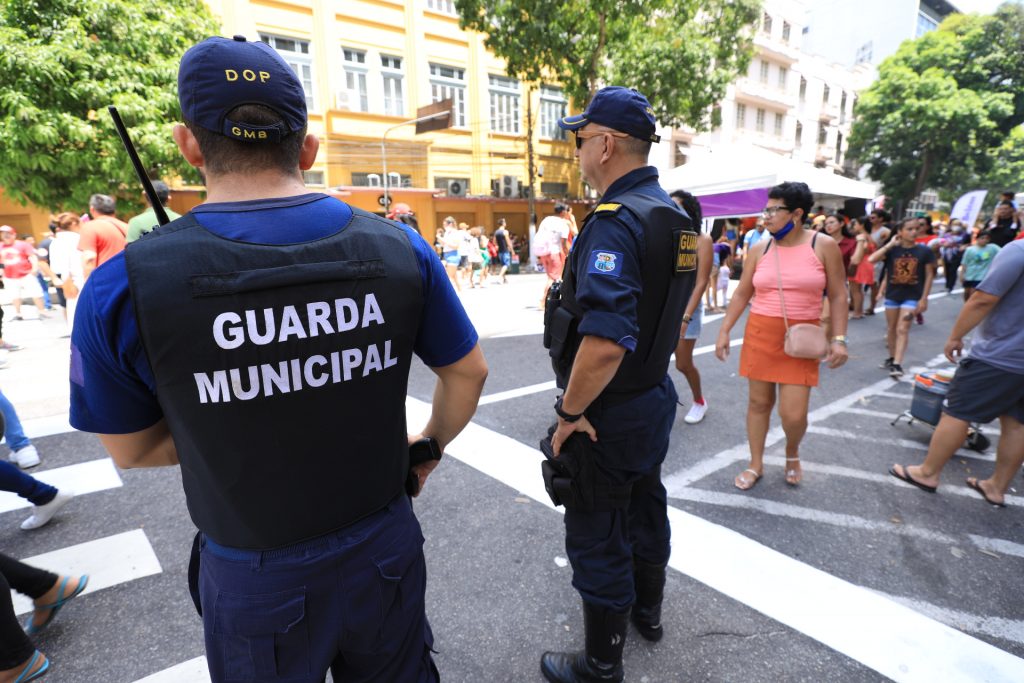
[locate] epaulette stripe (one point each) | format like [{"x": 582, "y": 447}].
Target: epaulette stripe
[{"x": 608, "y": 207}]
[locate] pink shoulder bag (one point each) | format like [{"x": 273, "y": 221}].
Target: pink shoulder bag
[{"x": 803, "y": 340}]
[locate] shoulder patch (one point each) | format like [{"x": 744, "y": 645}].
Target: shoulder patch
[
  {"x": 610, "y": 207},
  {"x": 605, "y": 262}
]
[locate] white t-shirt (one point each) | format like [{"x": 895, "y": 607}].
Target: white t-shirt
[
  {"x": 65, "y": 259},
  {"x": 550, "y": 233}
]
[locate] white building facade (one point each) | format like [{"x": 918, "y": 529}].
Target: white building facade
[
  {"x": 789, "y": 102},
  {"x": 850, "y": 32}
]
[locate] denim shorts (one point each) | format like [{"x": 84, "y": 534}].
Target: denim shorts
[
  {"x": 908, "y": 305},
  {"x": 696, "y": 323}
]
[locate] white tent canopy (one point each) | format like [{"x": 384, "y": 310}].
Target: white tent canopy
[{"x": 734, "y": 168}]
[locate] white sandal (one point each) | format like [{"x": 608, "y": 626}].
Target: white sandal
[
  {"x": 739, "y": 478},
  {"x": 793, "y": 475}
]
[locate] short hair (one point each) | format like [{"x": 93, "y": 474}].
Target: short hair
[
  {"x": 560, "y": 208},
  {"x": 104, "y": 204},
  {"x": 163, "y": 193},
  {"x": 449, "y": 220},
  {"x": 636, "y": 147},
  {"x": 794, "y": 195},
  {"x": 883, "y": 214},
  {"x": 1006, "y": 202},
  {"x": 926, "y": 218},
  {"x": 501, "y": 222},
  {"x": 987, "y": 234},
  {"x": 690, "y": 204},
  {"x": 225, "y": 155}
]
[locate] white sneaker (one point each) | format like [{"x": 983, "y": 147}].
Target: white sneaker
[
  {"x": 26, "y": 457},
  {"x": 696, "y": 413},
  {"x": 42, "y": 514}
]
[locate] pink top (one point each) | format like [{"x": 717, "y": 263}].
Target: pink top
[{"x": 803, "y": 282}]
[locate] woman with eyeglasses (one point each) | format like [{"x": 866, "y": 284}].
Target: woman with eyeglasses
[{"x": 806, "y": 263}]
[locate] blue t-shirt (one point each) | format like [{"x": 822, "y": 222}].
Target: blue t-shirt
[
  {"x": 999, "y": 340},
  {"x": 113, "y": 390}
]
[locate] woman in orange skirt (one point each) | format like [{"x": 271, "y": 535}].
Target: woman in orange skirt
[{"x": 808, "y": 264}]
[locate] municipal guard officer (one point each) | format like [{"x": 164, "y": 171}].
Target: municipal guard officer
[
  {"x": 263, "y": 341},
  {"x": 629, "y": 276}
]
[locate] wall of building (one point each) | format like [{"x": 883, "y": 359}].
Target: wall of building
[{"x": 27, "y": 220}]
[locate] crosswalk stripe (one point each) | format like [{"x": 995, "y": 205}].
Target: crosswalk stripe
[
  {"x": 192, "y": 671},
  {"x": 82, "y": 478},
  {"x": 108, "y": 562},
  {"x": 902, "y": 443},
  {"x": 879, "y": 633},
  {"x": 997, "y": 627},
  {"x": 38, "y": 427},
  {"x": 516, "y": 393}
]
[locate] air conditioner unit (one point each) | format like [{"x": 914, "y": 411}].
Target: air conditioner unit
[
  {"x": 457, "y": 188},
  {"x": 509, "y": 186},
  {"x": 341, "y": 100},
  {"x": 373, "y": 180}
]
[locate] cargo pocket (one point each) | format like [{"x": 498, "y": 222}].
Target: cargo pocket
[
  {"x": 262, "y": 637},
  {"x": 401, "y": 572}
]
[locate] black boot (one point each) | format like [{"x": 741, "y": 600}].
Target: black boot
[
  {"x": 649, "y": 580},
  {"x": 602, "y": 660}
]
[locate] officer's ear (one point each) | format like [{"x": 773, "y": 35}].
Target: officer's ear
[
  {"x": 609, "y": 148},
  {"x": 188, "y": 145},
  {"x": 307, "y": 156}
]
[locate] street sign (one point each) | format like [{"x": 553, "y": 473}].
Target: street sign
[{"x": 439, "y": 123}]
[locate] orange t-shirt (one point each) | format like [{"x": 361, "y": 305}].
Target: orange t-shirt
[{"x": 105, "y": 236}]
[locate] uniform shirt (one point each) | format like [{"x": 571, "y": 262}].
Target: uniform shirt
[
  {"x": 999, "y": 340},
  {"x": 16, "y": 259},
  {"x": 606, "y": 258},
  {"x": 113, "y": 390},
  {"x": 905, "y": 272}
]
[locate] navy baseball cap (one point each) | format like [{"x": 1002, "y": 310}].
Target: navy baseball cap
[
  {"x": 220, "y": 74},
  {"x": 623, "y": 109}
]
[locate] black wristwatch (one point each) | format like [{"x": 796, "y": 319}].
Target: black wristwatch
[{"x": 568, "y": 417}]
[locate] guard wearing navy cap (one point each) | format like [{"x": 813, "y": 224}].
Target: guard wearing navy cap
[
  {"x": 611, "y": 329},
  {"x": 263, "y": 341}
]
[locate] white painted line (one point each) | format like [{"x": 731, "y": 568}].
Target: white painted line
[
  {"x": 516, "y": 393},
  {"x": 894, "y": 640},
  {"x": 85, "y": 477},
  {"x": 996, "y": 545},
  {"x": 873, "y": 413},
  {"x": 192, "y": 671},
  {"x": 710, "y": 348},
  {"x": 902, "y": 443},
  {"x": 851, "y": 473},
  {"x": 38, "y": 427},
  {"x": 681, "y": 479},
  {"x": 892, "y": 394},
  {"x": 108, "y": 562},
  {"x": 879, "y": 633},
  {"x": 995, "y": 627}
]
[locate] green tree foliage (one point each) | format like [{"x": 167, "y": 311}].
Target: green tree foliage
[
  {"x": 942, "y": 103},
  {"x": 680, "y": 53},
  {"x": 61, "y": 63}
]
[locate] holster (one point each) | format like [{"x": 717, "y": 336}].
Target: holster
[{"x": 574, "y": 480}]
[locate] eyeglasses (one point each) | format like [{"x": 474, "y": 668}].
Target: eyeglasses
[
  {"x": 772, "y": 210},
  {"x": 581, "y": 135}
]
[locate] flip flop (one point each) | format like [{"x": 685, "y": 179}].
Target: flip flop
[
  {"x": 31, "y": 629},
  {"x": 972, "y": 482},
  {"x": 910, "y": 480},
  {"x": 757, "y": 478},
  {"x": 25, "y": 676}
]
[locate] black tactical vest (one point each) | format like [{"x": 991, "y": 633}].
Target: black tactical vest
[
  {"x": 282, "y": 372},
  {"x": 668, "y": 272}
]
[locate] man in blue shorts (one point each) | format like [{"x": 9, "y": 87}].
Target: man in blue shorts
[
  {"x": 989, "y": 382},
  {"x": 909, "y": 271},
  {"x": 263, "y": 341}
]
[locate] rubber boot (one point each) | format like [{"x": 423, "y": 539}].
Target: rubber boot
[
  {"x": 602, "y": 659},
  {"x": 649, "y": 580}
]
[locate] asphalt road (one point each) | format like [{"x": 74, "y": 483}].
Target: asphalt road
[{"x": 852, "y": 576}]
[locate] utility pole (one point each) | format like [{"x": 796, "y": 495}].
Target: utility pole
[{"x": 531, "y": 169}]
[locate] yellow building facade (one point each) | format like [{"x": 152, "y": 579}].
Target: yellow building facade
[{"x": 368, "y": 66}]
